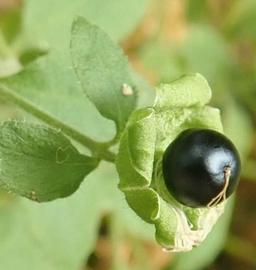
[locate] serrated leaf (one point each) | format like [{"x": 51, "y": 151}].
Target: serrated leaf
[
  {"x": 39, "y": 162},
  {"x": 103, "y": 71}
]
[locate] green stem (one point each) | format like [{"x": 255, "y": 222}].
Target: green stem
[{"x": 98, "y": 149}]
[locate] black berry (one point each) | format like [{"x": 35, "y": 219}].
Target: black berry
[{"x": 201, "y": 167}]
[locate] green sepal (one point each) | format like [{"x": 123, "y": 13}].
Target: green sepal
[
  {"x": 137, "y": 198},
  {"x": 178, "y": 106},
  {"x": 136, "y": 154},
  {"x": 153, "y": 209},
  {"x": 189, "y": 90}
]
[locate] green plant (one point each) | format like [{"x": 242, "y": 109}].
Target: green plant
[
  {"x": 42, "y": 164},
  {"x": 46, "y": 162}
]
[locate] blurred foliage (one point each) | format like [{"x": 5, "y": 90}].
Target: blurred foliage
[{"x": 163, "y": 39}]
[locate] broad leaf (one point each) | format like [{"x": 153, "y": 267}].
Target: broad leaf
[
  {"x": 40, "y": 163},
  {"x": 103, "y": 71}
]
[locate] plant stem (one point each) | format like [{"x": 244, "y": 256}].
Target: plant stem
[{"x": 98, "y": 149}]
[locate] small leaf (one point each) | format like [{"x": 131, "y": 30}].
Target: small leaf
[
  {"x": 189, "y": 90},
  {"x": 40, "y": 163},
  {"x": 103, "y": 71}
]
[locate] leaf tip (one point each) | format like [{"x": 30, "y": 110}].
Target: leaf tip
[{"x": 77, "y": 21}]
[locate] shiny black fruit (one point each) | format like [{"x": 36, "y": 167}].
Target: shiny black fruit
[{"x": 201, "y": 168}]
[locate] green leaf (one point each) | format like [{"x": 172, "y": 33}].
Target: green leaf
[
  {"x": 40, "y": 163},
  {"x": 103, "y": 71},
  {"x": 189, "y": 90},
  {"x": 51, "y": 85},
  {"x": 50, "y": 82}
]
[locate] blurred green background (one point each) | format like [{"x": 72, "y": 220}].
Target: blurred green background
[{"x": 94, "y": 228}]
